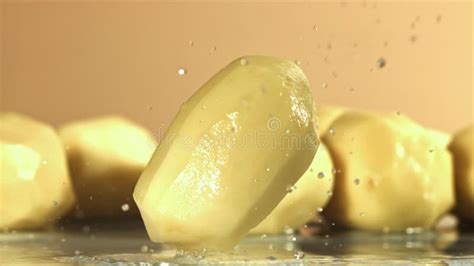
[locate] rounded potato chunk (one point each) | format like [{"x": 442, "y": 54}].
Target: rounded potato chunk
[
  {"x": 229, "y": 155},
  {"x": 309, "y": 195},
  {"x": 106, "y": 157},
  {"x": 462, "y": 149},
  {"x": 35, "y": 189},
  {"x": 394, "y": 174}
]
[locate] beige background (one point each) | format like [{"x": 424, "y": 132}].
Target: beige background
[{"x": 68, "y": 60}]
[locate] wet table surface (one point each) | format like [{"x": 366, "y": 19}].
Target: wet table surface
[{"x": 127, "y": 244}]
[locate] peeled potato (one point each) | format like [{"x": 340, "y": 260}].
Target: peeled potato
[
  {"x": 462, "y": 150},
  {"x": 35, "y": 189},
  {"x": 106, "y": 157},
  {"x": 309, "y": 194},
  {"x": 229, "y": 155},
  {"x": 394, "y": 174},
  {"x": 326, "y": 115}
]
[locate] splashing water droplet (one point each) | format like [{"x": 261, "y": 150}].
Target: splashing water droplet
[
  {"x": 288, "y": 230},
  {"x": 290, "y": 189},
  {"x": 125, "y": 207},
  {"x": 299, "y": 255},
  {"x": 144, "y": 248},
  {"x": 381, "y": 62},
  {"x": 321, "y": 175},
  {"x": 182, "y": 71}
]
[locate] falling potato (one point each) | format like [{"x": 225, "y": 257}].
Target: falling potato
[
  {"x": 229, "y": 156},
  {"x": 304, "y": 200},
  {"x": 34, "y": 182},
  {"x": 106, "y": 156},
  {"x": 462, "y": 149},
  {"x": 394, "y": 174}
]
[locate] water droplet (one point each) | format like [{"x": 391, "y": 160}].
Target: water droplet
[
  {"x": 125, "y": 207},
  {"x": 298, "y": 62},
  {"x": 299, "y": 255},
  {"x": 213, "y": 50},
  {"x": 144, "y": 248},
  {"x": 182, "y": 71},
  {"x": 315, "y": 28},
  {"x": 271, "y": 257},
  {"x": 268, "y": 169},
  {"x": 381, "y": 62},
  {"x": 320, "y": 209},
  {"x": 439, "y": 18},
  {"x": 287, "y": 131},
  {"x": 90, "y": 197},
  {"x": 203, "y": 107},
  {"x": 288, "y": 230},
  {"x": 86, "y": 229},
  {"x": 243, "y": 61},
  {"x": 44, "y": 162},
  {"x": 77, "y": 252},
  {"x": 351, "y": 89},
  {"x": 333, "y": 224},
  {"x": 321, "y": 175},
  {"x": 431, "y": 150},
  {"x": 293, "y": 238},
  {"x": 332, "y": 131},
  {"x": 63, "y": 239},
  {"x": 413, "y": 38},
  {"x": 290, "y": 189},
  {"x": 191, "y": 43},
  {"x": 356, "y": 181},
  {"x": 263, "y": 236},
  {"x": 324, "y": 85},
  {"x": 330, "y": 193},
  {"x": 55, "y": 203},
  {"x": 361, "y": 214}
]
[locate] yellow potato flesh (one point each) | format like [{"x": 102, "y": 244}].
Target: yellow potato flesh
[
  {"x": 229, "y": 155},
  {"x": 309, "y": 194},
  {"x": 326, "y": 115},
  {"x": 394, "y": 174},
  {"x": 35, "y": 189},
  {"x": 106, "y": 157},
  {"x": 462, "y": 149}
]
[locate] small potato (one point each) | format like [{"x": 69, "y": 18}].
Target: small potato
[
  {"x": 304, "y": 199},
  {"x": 462, "y": 150},
  {"x": 106, "y": 156},
  {"x": 35, "y": 189},
  {"x": 394, "y": 174}
]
